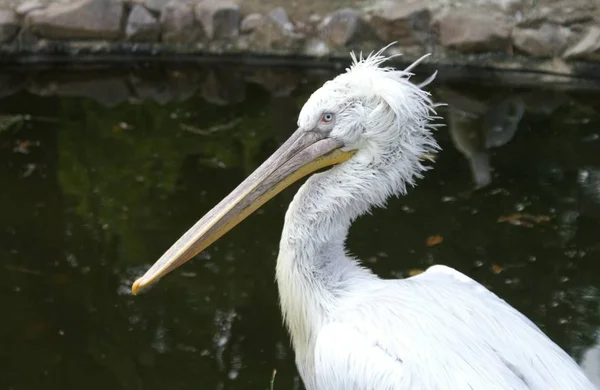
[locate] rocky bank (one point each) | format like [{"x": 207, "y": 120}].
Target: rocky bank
[{"x": 548, "y": 36}]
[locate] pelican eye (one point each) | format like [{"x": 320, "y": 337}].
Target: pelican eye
[{"x": 327, "y": 118}]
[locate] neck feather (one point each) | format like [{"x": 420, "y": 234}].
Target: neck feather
[{"x": 313, "y": 270}]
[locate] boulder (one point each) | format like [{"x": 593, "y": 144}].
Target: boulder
[
  {"x": 220, "y": 18},
  {"x": 277, "y": 31},
  {"x": 406, "y": 22},
  {"x": 558, "y": 14},
  {"x": 588, "y": 48},
  {"x": 548, "y": 40},
  {"x": 155, "y": 5},
  {"x": 316, "y": 48},
  {"x": 280, "y": 17},
  {"x": 178, "y": 23},
  {"x": 508, "y": 7},
  {"x": 473, "y": 30},
  {"x": 28, "y": 6},
  {"x": 142, "y": 26},
  {"x": 9, "y": 25},
  {"x": 341, "y": 27},
  {"x": 251, "y": 23},
  {"x": 85, "y": 19}
]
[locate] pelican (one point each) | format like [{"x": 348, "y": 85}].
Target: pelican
[{"x": 350, "y": 329}]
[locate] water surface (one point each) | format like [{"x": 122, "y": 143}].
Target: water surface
[{"x": 100, "y": 177}]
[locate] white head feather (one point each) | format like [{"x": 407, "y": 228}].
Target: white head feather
[{"x": 382, "y": 114}]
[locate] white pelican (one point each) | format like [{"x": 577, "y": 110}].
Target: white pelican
[{"x": 350, "y": 329}]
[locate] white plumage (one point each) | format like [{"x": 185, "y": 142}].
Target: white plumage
[{"x": 353, "y": 330}]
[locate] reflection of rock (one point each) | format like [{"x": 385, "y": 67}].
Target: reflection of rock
[
  {"x": 546, "y": 40},
  {"x": 341, "y": 27},
  {"x": 109, "y": 91},
  {"x": 405, "y": 22},
  {"x": 588, "y": 47},
  {"x": 9, "y": 25},
  {"x": 544, "y": 101},
  {"x": 178, "y": 23},
  {"x": 501, "y": 121},
  {"x": 220, "y": 18},
  {"x": 473, "y": 30},
  {"x": 476, "y": 127},
  {"x": 223, "y": 87},
  {"x": 184, "y": 83},
  {"x": 277, "y": 82},
  {"x": 141, "y": 25},
  {"x": 163, "y": 88},
  {"x": 590, "y": 362},
  {"x": 465, "y": 131},
  {"x": 589, "y": 180},
  {"x": 99, "y": 19},
  {"x": 11, "y": 83}
]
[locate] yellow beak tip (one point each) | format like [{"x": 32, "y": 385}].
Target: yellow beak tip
[{"x": 137, "y": 287}]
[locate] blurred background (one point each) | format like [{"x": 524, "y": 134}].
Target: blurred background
[{"x": 122, "y": 123}]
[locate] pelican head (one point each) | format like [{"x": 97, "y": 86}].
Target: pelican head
[{"x": 371, "y": 119}]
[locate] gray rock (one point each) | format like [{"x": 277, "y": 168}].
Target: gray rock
[
  {"x": 9, "y": 25},
  {"x": 314, "y": 18},
  {"x": 277, "y": 31},
  {"x": 142, "y": 26},
  {"x": 316, "y": 48},
  {"x": 473, "y": 30},
  {"x": 100, "y": 19},
  {"x": 558, "y": 14},
  {"x": 405, "y": 22},
  {"x": 251, "y": 23},
  {"x": 341, "y": 27},
  {"x": 588, "y": 47},
  {"x": 280, "y": 17},
  {"x": 548, "y": 40},
  {"x": 178, "y": 23},
  {"x": 506, "y": 6},
  {"x": 28, "y": 6},
  {"x": 220, "y": 18},
  {"x": 155, "y": 5}
]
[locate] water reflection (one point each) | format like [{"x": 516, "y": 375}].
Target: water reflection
[{"x": 97, "y": 186}]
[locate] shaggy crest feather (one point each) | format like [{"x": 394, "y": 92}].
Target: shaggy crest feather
[{"x": 352, "y": 330}]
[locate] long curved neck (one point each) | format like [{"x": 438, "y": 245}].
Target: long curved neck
[{"x": 313, "y": 270}]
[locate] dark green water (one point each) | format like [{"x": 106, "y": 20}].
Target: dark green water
[{"x": 94, "y": 189}]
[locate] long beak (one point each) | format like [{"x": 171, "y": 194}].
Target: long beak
[{"x": 304, "y": 152}]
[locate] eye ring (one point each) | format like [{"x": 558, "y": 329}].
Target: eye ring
[{"x": 327, "y": 118}]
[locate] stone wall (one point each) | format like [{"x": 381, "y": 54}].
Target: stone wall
[{"x": 550, "y": 35}]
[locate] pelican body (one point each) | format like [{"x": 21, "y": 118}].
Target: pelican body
[{"x": 350, "y": 329}]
